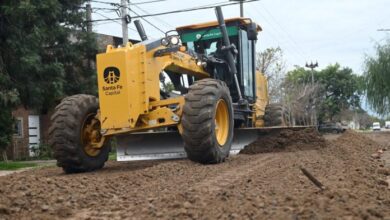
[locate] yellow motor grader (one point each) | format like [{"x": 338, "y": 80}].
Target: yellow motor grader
[{"x": 218, "y": 103}]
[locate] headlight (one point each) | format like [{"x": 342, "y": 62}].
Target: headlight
[
  {"x": 174, "y": 40},
  {"x": 164, "y": 42}
]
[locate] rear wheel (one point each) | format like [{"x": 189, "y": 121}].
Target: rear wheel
[
  {"x": 208, "y": 122},
  {"x": 75, "y": 136},
  {"x": 276, "y": 115}
]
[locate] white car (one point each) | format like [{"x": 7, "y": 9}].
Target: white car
[
  {"x": 376, "y": 126},
  {"x": 387, "y": 124}
]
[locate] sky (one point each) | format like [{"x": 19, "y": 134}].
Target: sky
[{"x": 342, "y": 31}]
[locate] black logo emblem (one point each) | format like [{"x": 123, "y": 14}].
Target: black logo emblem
[{"x": 111, "y": 75}]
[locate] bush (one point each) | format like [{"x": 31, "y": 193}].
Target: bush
[{"x": 42, "y": 152}]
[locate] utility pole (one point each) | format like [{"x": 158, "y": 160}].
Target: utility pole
[
  {"x": 125, "y": 21},
  {"x": 241, "y": 7},
  {"x": 312, "y": 66},
  {"x": 89, "y": 17},
  {"x": 89, "y": 28}
]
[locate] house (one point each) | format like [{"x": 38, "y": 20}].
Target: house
[
  {"x": 103, "y": 40},
  {"x": 30, "y": 133},
  {"x": 31, "y": 127}
]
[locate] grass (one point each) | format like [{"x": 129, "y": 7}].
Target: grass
[
  {"x": 112, "y": 156},
  {"x": 15, "y": 165}
]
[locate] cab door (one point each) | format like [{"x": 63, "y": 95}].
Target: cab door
[{"x": 247, "y": 66}]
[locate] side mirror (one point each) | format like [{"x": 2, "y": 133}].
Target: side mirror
[{"x": 252, "y": 31}]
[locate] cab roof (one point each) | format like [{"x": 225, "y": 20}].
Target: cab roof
[{"x": 243, "y": 21}]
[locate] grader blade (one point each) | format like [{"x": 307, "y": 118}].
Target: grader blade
[
  {"x": 149, "y": 146},
  {"x": 169, "y": 144}
]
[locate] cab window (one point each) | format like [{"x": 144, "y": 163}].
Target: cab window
[{"x": 246, "y": 64}]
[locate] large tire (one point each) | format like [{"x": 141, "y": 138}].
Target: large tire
[
  {"x": 69, "y": 120},
  {"x": 208, "y": 122},
  {"x": 275, "y": 115}
]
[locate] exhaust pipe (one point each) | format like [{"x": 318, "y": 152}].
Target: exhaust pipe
[
  {"x": 141, "y": 30},
  {"x": 228, "y": 48}
]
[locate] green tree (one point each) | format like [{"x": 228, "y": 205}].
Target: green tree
[
  {"x": 43, "y": 53},
  {"x": 168, "y": 87},
  {"x": 377, "y": 78},
  {"x": 340, "y": 88},
  {"x": 44, "y": 48},
  {"x": 8, "y": 98},
  {"x": 299, "y": 75}
]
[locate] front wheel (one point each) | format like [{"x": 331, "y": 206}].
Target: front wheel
[
  {"x": 75, "y": 136},
  {"x": 208, "y": 122}
]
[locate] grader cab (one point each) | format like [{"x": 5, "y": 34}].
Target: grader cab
[{"x": 218, "y": 103}]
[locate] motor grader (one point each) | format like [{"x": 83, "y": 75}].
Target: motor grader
[{"x": 218, "y": 103}]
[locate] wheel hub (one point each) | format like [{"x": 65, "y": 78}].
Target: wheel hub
[
  {"x": 221, "y": 122},
  {"x": 90, "y": 135}
]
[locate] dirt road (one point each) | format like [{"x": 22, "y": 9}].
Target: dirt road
[{"x": 264, "y": 184}]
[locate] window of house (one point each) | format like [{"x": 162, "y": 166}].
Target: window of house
[{"x": 18, "y": 127}]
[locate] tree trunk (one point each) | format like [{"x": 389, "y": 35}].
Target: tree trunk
[{"x": 5, "y": 156}]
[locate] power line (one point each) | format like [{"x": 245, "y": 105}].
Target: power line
[
  {"x": 111, "y": 19},
  {"x": 159, "y": 20},
  {"x": 279, "y": 33},
  {"x": 98, "y": 8},
  {"x": 107, "y": 3},
  {"x": 103, "y": 23},
  {"x": 191, "y": 9},
  {"x": 147, "y": 2},
  {"x": 176, "y": 11},
  {"x": 150, "y": 23},
  {"x": 347, "y": 37},
  {"x": 105, "y": 9},
  {"x": 288, "y": 45},
  {"x": 214, "y": 4},
  {"x": 111, "y": 9},
  {"x": 106, "y": 19},
  {"x": 275, "y": 37},
  {"x": 167, "y": 24},
  {"x": 284, "y": 30},
  {"x": 136, "y": 3}
]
